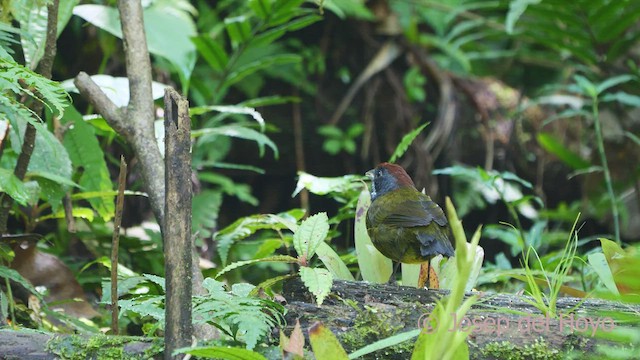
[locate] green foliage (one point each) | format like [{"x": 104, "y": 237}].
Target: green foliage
[
  {"x": 604, "y": 32},
  {"x": 341, "y": 188},
  {"x": 337, "y": 140},
  {"x": 205, "y": 207},
  {"x": 612, "y": 268},
  {"x": 308, "y": 240},
  {"x": 220, "y": 352},
  {"x": 18, "y": 79},
  {"x": 168, "y": 28},
  {"x": 477, "y": 187},
  {"x": 318, "y": 281},
  {"x": 50, "y": 165},
  {"x": 403, "y": 145},
  {"x": 554, "y": 146},
  {"x": 309, "y": 234},
  {"x": 244, "y": 46},
  {"x": 324, "y": 344},
  {"x": 414, "y": 83},
  {"x": 235, "y": 312},
  {"x": 244, "y": 227},
  {"x": 86, "y": 154},
  {"x": 438, "y": 342},
  {"x": 547, "y": 303}
]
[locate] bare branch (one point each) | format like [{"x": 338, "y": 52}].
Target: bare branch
[
  {"x": 135, "y": 123},
  {"x": 137, "y": 61},
  {"x": 90, "y": 90}
]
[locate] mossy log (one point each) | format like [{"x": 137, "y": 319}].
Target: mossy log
[
  {"x": 501, "y": 326},
  {"x": 33, "y": 345}
]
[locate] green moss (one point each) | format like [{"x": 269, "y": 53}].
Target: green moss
[
  {"x": 76, "y": 347},
  {"x": 505, "y": 350},
  {"x": 373, "y": 324}
]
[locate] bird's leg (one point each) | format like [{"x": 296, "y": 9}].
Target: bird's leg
[{"x": 392, "y": 279}]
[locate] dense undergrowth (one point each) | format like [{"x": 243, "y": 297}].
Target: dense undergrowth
[{"x": 522, "y": 112}]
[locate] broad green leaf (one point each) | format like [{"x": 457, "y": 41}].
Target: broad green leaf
[
  {"x": 599, "y": 264},
  {"x": 219, "y": 352},
  {"x": 76, "y": 212},
  {"x": 449, "y": 273},
  {"x": 385, "y": 343},
  {"x": 32, "y": 16},
  {"x": 268, "y": 61},
  {"x": 350, "y": 8},
  {"x": 623, "y": 98},
  {"x": 241, "y": 132},
  {"x": 268, "y": 247},
  {"x": 238, "y": 28},
  {"x": 262, "y": 8},
  {"x": 212, "y": 52},
  {"x": 50, "y": 163},
  {"x": 11, "y": 185},
  {"x": 555, "y": 147},
  {"x": 324, "y": 344},
  {"x": 269, "y": 100},
  {"x": 86, "y": 154},
  {"x": 405, "y": 142},
  {"x": 318, "y": 281},
  {"x": 230, "y": 109},
  {"x": 325, "y": 185},
  {"x": 613, "y": 81},
  {"x": 273, "y": 34},
  {"x": 333, "y": 263},
  {"x": 168, "y": 34},
  {"x": 53, "y": 177},
  {"x": 611, "y": 250},
  {"x": 97, "y": 194},
  {"x": 311, "y": 232},
  {"x": 12, "y": 274},
  {"x": 516, "y": 9},
  {"x": 374, "y": 266},
  {"x": 585, "y": 86},
  {"x": 410, "y": 274}
]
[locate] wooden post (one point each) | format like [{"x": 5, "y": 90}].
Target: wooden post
[{"x": 177, "y": 226}]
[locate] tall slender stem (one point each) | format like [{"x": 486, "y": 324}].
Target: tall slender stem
[{"x": 605, "y": 166}]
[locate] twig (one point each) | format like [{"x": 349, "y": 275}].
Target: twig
[{"x": 115, "y": 245}]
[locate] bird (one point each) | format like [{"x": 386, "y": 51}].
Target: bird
[{"x": 404, "y": 224}]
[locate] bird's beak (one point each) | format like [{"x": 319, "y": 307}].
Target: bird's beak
[{"x": 369, "y": 174}]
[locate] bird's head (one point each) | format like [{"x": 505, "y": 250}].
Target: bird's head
[{"x": 388, "y": 177}]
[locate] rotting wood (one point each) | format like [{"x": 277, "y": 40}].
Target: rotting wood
[
  {"x": 177, "y": 226},
  {"x": 361, "y": 313},
  {"x": 32, "y": 345}
]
